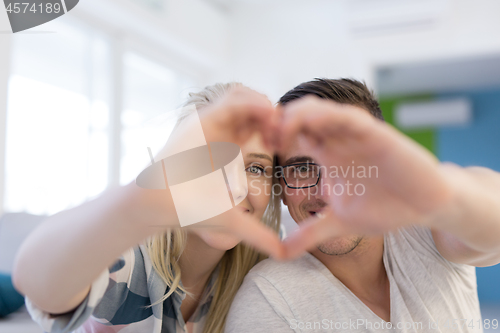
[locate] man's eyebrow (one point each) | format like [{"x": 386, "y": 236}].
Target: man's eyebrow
[
  {"x": 261, "y": 156},
  {"x": 298, "y": 159}
]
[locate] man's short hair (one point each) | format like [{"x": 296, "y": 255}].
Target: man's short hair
[{"x": 343, "y": 91}]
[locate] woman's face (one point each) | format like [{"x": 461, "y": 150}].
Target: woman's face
[{"x": 259, "y": 170}]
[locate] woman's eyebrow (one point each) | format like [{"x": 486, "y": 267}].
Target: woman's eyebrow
[{"x": 262, "y": 156}]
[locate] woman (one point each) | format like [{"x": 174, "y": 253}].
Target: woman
[{"x": 176, "y": 280}]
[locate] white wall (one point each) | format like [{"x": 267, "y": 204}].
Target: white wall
[
  {"x": 5, "y": 42},
  {"x": 191, "y": 35},
  {"x": 277, "y": 45}
]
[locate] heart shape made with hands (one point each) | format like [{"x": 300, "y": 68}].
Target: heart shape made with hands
[{"x": 408, "y": 188}]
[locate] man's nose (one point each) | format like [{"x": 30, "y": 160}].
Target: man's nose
[{"x": 323, "y": 189}]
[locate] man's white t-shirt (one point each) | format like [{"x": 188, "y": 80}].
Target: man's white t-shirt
[{"x": 428, "y": 294}]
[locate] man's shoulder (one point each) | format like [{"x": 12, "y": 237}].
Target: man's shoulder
[
  {"x": 269, "y": 296},
  {"x": 286, "y": 272},
  {"x": 281, "y": 285}
]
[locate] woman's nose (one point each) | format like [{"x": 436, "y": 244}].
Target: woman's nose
[
  {"x": 228, "y": 157},
  {"x": 237, "y": 180}
]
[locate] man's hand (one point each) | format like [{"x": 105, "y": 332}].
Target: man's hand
[{"x": 406, "y": 185}]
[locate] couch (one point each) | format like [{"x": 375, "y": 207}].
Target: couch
[{"x": 14, "y": 227}]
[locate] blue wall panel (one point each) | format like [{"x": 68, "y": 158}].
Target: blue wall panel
[{"x": 477, "y": 144}]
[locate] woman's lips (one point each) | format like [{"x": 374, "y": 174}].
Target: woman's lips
[{"x": 243, "y": 209}]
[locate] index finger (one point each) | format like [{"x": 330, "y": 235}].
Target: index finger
[
  {"x": 250, "y": 112},
  {"x": 254, "y": 233},
  {"x": 249, "y": 229},
  {"x": 321, "y": 120}
]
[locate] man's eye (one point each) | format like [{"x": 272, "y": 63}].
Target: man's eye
[
  {"x": 301, "y": 168},
  {"x": 255, "y": 169}
]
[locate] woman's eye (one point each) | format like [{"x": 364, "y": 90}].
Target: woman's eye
[{"x": 255, "y": 169}]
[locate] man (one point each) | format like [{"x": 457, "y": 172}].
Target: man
[{"x": 399, "y": 232}]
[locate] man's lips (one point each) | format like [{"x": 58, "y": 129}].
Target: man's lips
[{"x": 317, "y": 213}]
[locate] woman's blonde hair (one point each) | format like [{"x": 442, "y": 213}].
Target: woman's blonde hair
[{"x": 166, "y": 249}]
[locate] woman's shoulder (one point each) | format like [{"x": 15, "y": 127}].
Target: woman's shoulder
[
  {"x": 133, "y": 287},
  {"x": 132, "y": 271}
]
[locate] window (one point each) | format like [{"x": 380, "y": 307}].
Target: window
[
  {"x": 58, "y": 145},
  {"x": 57, "y": 119},
  {"x": 152, "y": 93}
]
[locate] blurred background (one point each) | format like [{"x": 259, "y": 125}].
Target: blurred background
[{"x": 74, "y": 92}]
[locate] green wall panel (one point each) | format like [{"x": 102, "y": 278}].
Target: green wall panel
[{"x": 426, "y": 137}]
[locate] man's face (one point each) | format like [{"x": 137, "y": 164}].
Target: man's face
[{"x": 304, "y": 203}]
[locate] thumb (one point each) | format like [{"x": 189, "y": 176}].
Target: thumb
[
  {"x": 312, "y": 232},
  {"x": 252, "y": 232}
]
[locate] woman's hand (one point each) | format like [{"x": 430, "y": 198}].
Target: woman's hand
[
  {"x": 235, "y": 118},
  {"x": 238, "y": 115}
]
